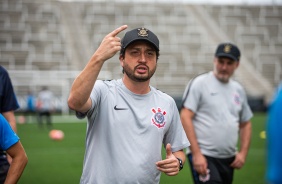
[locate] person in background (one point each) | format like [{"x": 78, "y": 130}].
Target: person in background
[
  {"x": 128, "y": 119},
  {"x": 30, "y": 107},
  {"x": 10, "y": 142},
  {"x": 45, "y": 106},
  {"x": 214, "y": 114},
  {"x": 8, "y": 104},
  {"x": 274, "y": 139}
]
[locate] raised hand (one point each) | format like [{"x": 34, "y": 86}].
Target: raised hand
[
  {"x": 110, "y": 45},
  {"x": 170, "y": 166}
]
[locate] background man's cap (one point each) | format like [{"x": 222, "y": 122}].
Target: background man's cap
[
  {"x": 228, "y": 50},
  {"x": 140, "y": 34}
]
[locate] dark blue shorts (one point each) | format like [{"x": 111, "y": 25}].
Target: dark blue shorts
[
  {"x": 4, "y": 167},
  {"x": 220, "y": 171}
]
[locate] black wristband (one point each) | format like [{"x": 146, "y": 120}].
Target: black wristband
[{"x": 180, "y": 164}]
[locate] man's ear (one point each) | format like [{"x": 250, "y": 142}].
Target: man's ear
[
  {"x": 121, "y": 59},
  {"x": 238, "y": 63},
  {"x": 214, "y": 60}
]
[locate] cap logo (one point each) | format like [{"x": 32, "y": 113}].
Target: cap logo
[
  {"x": 227, "y": 48},
  {"x": 143, "y": 32}
]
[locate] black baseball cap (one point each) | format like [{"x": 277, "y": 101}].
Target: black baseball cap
[
  {"x": 140, "y": 34},
  {"x": 228, "y": 50}
]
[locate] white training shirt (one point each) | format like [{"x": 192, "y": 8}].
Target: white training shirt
[
  {"x": 46, "y": 100},
  {"x": 219, "y": 108},
  {"x": 125, "y": 133}
]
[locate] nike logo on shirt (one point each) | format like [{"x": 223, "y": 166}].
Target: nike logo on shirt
[
  {"x": 213, "y": 94},
  {"x": 116, "y": 108}
]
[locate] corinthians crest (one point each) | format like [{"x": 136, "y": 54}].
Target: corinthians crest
[
  {"x": 143, "y": 32},
  {"x": 159, "y": 118}
]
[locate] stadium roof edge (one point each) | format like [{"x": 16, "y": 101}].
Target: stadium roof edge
[{"x": 206, "y": 2}]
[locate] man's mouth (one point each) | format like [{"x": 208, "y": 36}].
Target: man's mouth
[
  {"x": 141, "y": 69},
  {"x": 223, "y": 73}
]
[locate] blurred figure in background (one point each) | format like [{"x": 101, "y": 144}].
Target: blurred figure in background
[
  {"x": 274, "y": 139},
  {"x": 45, "y": 107},
  {"x": 30, "y": 107},
  {"x": 10, "y": 142},
  {"x": 8, "y": 104},
  {"x": 215, "y": 113}
]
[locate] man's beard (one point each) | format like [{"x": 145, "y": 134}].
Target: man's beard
[
  {"x": 138, "y": 78},
  {"x": 223, "y": 77}
]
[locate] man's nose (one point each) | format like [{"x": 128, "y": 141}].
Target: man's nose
[
  {"x": 224, "y": 65},
  {"x": 142, "y": 57}
]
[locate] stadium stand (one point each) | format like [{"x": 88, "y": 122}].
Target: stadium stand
[{"x": 49, "y": 42}]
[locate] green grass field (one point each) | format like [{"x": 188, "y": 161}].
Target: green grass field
[{"x": 53, "y": 162}]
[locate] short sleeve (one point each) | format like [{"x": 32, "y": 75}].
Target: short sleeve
[
  {"x": 8, "y": 98},
  {"x": 192, "y": 94},
  {"x": 98, "y": 90},
  {"x": 246, "y": 113},
  {"x": 7, "y": 136}
]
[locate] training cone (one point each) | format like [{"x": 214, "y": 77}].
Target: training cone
[
  {"x": 56, "y": 135},
  {"x": 21, "y": 120},
  {"x": 262, "y": 135}
]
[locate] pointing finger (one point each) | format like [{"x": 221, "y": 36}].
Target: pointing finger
[{"x": 118, "y": 30}]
